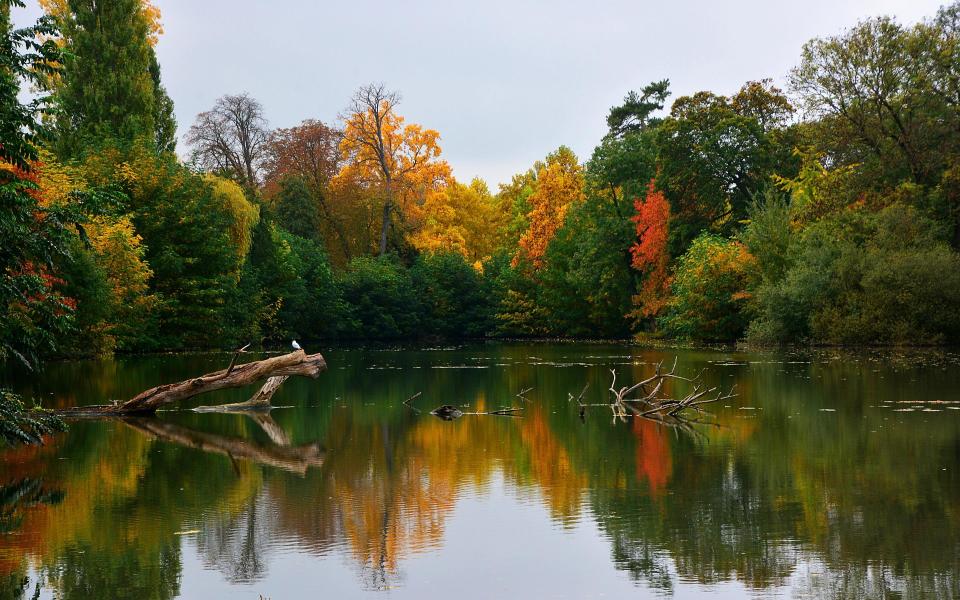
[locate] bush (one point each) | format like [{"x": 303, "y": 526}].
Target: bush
[
  {"x": 862, "y": 277},
  {"x": 710, "y": 291},
  {"x": 455, "y": 303},
  {"x": 381, "y": 299},
  {"x": 19, "y": 425}
]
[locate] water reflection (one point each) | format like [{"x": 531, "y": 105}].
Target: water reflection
[{"x": 810, "y": 481}]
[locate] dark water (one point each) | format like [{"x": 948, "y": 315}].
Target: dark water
[{"x": 830, "y": 475}]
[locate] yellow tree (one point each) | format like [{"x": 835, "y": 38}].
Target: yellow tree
[
  {"x": 460, "y": 218},
  {"x": 401, "y": 161},
  {"x": 559, "y": 185}
]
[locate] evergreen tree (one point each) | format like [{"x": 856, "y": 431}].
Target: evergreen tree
[{"x": 109, "y": 84}]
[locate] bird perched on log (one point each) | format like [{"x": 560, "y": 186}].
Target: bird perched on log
[{"x": 296, "y": 346}]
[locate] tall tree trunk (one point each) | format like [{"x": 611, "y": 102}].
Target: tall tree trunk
[{"x": 385, "y": 227}]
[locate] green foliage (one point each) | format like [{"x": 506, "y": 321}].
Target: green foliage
[
  {"x": 85, "y": 282},
  {"x": 634, "y": 114},
  {"x": 455, "y": 301},
  {"x": 164, "y": 120},
  {"x": 186, "y": 230},
  {"x": 288, "y": 289},
  {"x": 26, "y": 55},
  {"x": 587, "y": 284},
  {"x": 863, "y": 277},
  {"x": 108, "y": 90},
  {"x": 715, "y": 153},
  {"x": 37, "y": 235},
  {"x": 621, "y": 167},
  {"x": 381, "y": 299},
  {"x": 19, "y": 425},
  {"x": 710, "y": 291},
  {"x": 296, "y": 210},
  {"x": 768, "y": 233}
]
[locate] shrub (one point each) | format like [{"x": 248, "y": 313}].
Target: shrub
[{"x": 710, "y": 290}]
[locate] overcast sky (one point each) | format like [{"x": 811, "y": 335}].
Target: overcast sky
[{"x": 503, "y": 81}]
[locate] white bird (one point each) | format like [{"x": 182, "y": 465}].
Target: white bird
[{"x": 296, "y": 346}]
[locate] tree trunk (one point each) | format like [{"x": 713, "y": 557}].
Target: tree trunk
[{"x": 385, "y": 226}]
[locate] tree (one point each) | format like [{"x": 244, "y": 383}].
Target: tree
[
  {"x": 244, "y": 215},
  {"x": 164, "y": 120},
  {"x": 862, "y": 85},
  {"x": 109, "y": 86},
  {"x": 455, "y": 304},
  {"x": 459, "y": 218},
  {"x": 310, "y": 152},
  {"x": 633, "y": 115},
  {"x": 36, "y": 234},
  {"x": 401, "y": 161},
  {"x": 231, "y": 139},
  {"x": 713, "y": 158},
  {"x": 650, "y": 252},
  {"x": 295, "y": 209},
  {"x": 559, "y": 185},
  {"x": 381, "y": 299}
]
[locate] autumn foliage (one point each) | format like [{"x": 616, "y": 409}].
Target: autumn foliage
[
  {"x": 650, "y": 253},
  {"x": 559, "y": 185}
]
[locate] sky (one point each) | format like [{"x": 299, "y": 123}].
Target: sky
[{"x": 505, "y": 82}]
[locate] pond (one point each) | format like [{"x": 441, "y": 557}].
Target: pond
[{"x": 830, "y": 474}]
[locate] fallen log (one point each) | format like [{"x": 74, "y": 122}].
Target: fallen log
[{"x": 276, "y": 369}]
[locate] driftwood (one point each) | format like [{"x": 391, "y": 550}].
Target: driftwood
[
  {"x": 647, "y": 401},
  {"x": 258, "y": 402},
  {"x": 296, "y": 459},
  {"x": 275, "y": 369}
]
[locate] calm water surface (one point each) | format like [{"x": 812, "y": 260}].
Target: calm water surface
[{"x": 829, "y": 475}]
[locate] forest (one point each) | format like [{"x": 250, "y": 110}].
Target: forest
[{"x": 824, "y": 213}]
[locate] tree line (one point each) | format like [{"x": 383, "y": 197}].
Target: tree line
[{"x": 827, "y": 213}]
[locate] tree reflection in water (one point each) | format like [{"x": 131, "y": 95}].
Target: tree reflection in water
[{"x": 859, "y": 502}]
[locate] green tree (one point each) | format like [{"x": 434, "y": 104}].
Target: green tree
[
  {"x": 455, "y": 303},
  {"x": 715, "y": 153},
  {"x": 381, "y": 298},
  {"x": 108, "y": 90},
  {"x": 37, "y": 234},
  {"x": 870, "y": 109},
  {"x": 864, "y": 277},
  {"x": 296, "y": 210}
]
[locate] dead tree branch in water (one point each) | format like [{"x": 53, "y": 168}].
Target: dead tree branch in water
[{"x": 648, "y": 402}]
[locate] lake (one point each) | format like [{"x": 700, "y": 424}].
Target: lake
[{"x": 830, "y": 474}]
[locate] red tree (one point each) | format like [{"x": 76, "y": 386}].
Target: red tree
[{"x": 650, "y": 255}]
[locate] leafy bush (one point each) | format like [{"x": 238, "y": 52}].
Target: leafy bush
[
  {"x": 861, "y": 277},
  {"x": 381, "y": 299},
  {"x": 455, "y": 301},
  {"x": 710, "y": 290},
  {"x": 19, "y": 425}
]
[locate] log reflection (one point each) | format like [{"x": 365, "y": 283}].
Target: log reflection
[{"x": 296, "y": 459}]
